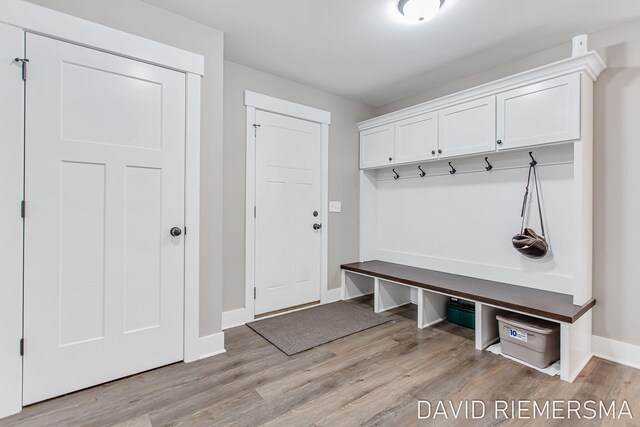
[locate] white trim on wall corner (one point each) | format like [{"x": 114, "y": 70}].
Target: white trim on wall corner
[
  {"x": 616, "y": 351},
  {"x": 232, "y": 318},
  {"x": 211, "y": 345}
]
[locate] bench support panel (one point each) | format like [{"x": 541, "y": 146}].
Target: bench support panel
[
  {"x": 355, "y": 285},
  {"x": 575, "y": 346},
  {"x": 432, "y": 308},
  {"x": 390, "y": 295},
  {"x": 487, "y": 331}
]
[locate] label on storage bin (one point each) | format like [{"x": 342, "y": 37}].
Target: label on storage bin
[{"x": 514, "y": 333}]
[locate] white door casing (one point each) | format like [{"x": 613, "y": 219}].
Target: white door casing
[
  {"x": 288, "y": 192},
  {"x": 255, "y": 102},
  {"x": 104, "y": 181},
  {"x": 11, "y": 141}
]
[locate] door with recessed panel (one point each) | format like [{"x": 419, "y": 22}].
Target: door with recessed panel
[
  {"x": 104, "y": 241},
  {"x": 289, "y": 212}
]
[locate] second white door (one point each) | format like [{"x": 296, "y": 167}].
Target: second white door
[
  {"x": 289, "y": 212},
  {"x": 104, "y": 184}
]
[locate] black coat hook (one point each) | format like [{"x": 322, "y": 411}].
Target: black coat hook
[
  {"x": 422, "y": 173},
  {"x": 489, "y": 166},
  {"x": 533, "y": 161},
  {"x": 453, "y": 170},
  {"x": 395, "y": 174}
]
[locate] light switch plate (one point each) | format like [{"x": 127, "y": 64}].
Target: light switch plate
[{"x": 335, "y": 206}]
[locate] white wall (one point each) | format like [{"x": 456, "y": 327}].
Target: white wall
[
  {"x": 616, "y": 171},
  {"x": 137, "y": 17},
  {"x": 463, "y": 223},
  {"x": 343, "y": 170}
]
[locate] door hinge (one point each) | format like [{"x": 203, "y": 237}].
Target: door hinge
[
  {"x": 185, "y": 230},
  {"x": 23, "y": 208},
  {"x": 21, "y": 346},
  {"x": 255, "y": 292},
  {"x": 255, "y": 129},
  {"x": 255, "y": 211},
  {"x": 23, "y": 61}
]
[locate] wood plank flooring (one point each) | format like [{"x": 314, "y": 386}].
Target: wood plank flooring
[{"x": 373, "y": 378}]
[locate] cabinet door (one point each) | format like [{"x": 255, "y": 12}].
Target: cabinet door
[
  {"x": 540, "y": 113},
  {"x": 468, "y": 128},
  {"x": 417, "y": 138},
  {"x": 377, "y": 146}
]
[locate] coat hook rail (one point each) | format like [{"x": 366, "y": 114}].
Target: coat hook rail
[
  {"x": 453, "y": 170},
  {"x": 489, "y": 165},
  {"x": 422, "y": 173}
]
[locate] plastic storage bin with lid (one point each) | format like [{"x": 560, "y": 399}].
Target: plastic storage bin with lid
[{"x": 532, "y": 340}]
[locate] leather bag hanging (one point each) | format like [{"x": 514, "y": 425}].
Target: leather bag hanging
[{"x": 528, "y": 242}]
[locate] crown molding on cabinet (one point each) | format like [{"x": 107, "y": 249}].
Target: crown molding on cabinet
[{"x": 590, "y": 64}]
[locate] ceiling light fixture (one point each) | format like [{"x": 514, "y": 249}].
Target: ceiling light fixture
[{"x": 420, "y": 10}]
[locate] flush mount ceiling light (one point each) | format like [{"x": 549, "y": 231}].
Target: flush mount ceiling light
[{"x": 420, "y": 10}]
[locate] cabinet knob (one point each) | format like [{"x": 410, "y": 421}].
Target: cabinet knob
[
  {"x": 440, "y": 151},
  {"x": 499, "y": 142},
  {"x": 390, "y": 159},
  {"x": 433, "y": 152}
]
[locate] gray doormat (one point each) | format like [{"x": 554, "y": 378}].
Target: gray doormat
[{"x": 301, "y": 330}]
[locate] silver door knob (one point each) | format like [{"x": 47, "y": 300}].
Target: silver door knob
[
  {"x": 175, "y": 232},
  {"x": 317, "y": 226}
]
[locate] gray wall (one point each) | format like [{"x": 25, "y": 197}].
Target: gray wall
[
  {"x": 137, "y": 17},
  {"x": 343, "y": 170},
  {"x": 616, "y": 171}
]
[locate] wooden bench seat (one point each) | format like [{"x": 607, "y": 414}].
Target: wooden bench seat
[
  {"x": 549, "y": 305},
  {"x": 394, "y": 285}
]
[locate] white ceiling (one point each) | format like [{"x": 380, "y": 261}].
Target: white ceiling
[{"x": 362, "y": 49}]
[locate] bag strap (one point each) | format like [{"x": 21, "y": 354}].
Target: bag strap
[
  {"x": 535, "y": 179},
  {"x": 524, "y": 201},
  {"x": 532, "y": 167}
]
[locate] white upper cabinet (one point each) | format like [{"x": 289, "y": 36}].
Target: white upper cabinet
[
  {"x": 416, "y": 138},
  {"x": 539, "y": 106},
  {"x": 377, "y": 146},
  {"x": 540, "y": 113},
  {"x": 468, "y": 128}
]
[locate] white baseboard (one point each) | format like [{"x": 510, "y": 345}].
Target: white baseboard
[
  {"x": 211, "y": 345},
  {"x": 333, "y": 295},
  {"x": 233, "y": 318},
  {"x": 616, "y": 351}
]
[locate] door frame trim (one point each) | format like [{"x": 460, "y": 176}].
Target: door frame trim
[
  {"x": 49, "y": 23},
  {"x": 255, "y": 101}
]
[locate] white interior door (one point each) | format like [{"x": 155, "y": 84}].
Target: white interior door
[
  {"x": 104, "y": 184},
  {"x": 288, "y": 205}
]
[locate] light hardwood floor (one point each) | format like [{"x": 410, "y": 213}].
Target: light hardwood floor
[{"x": 375, "y": 377}]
